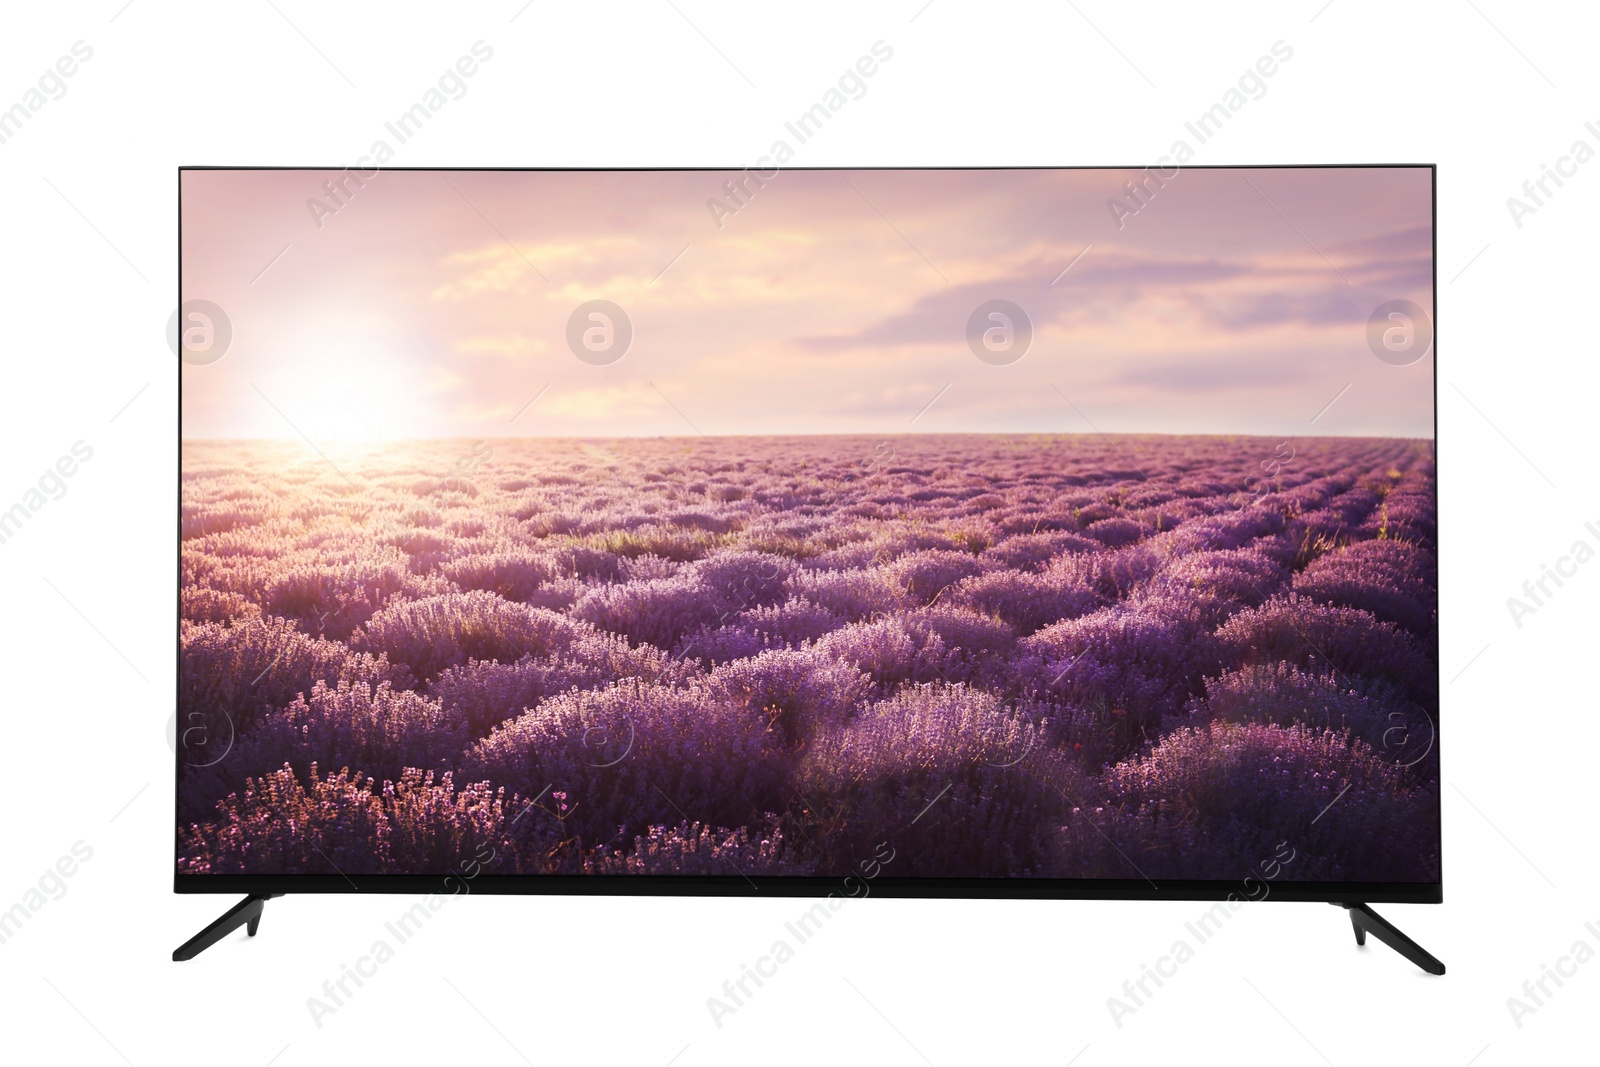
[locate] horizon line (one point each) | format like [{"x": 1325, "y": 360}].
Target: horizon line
[{"x": 802, "y": 434}]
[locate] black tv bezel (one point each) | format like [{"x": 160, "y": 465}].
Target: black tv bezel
[{"x": 855, "y": 886}]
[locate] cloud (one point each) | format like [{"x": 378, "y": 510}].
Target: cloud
[
  {"x": 1259, "y": 310},
  {"x": 1210, "y": 375},
  {"x": 940, "y": 317},
  {"x": 1230, "y": 296},
  {"x": 1411, "y": 242}
]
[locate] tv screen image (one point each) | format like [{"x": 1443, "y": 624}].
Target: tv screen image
[{"x": 1024, "y": 531}]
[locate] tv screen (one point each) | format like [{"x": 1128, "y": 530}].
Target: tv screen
[{"x": 1019, "y": 531}]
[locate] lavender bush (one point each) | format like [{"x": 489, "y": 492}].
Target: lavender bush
[
  {"x": 438, "y": 632},
  {"x": 1212, "y": 802},
  {"x": 255, "y": 665},
  {"x": 1008, "y": 656},
  {"x": 690, "y": 848},
  {"x": 798, "y": 691},
  {"x": 1391, "y": 579},
  {"x": 1346, "y": 641},
  {"x": 963, "y": 784},
  {"x": 344, "y": 823},
  {"x": 636, "y": 754},
  {"x": 1374, "y": 712}
]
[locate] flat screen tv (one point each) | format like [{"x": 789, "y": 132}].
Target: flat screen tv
[{"x": 960, "y": 532}]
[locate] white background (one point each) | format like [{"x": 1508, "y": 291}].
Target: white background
[{"x": 1489, "y": 90}]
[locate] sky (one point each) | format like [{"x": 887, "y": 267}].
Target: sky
[{"x": 437, "y": 303}]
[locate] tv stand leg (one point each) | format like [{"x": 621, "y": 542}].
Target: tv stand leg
[
  {"x": 246, "y": 913},
  {"x": 1364, "y": 920}
]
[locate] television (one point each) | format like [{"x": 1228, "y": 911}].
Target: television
[{"x": 939, "y": 532}]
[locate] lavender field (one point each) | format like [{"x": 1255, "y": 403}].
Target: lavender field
[{"x": 1028, "y": 656}]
